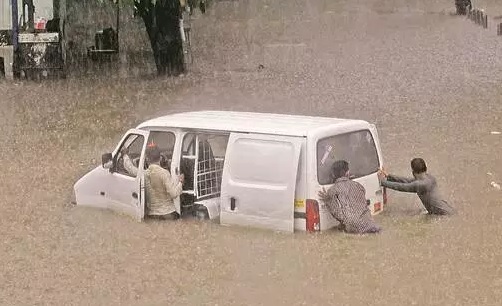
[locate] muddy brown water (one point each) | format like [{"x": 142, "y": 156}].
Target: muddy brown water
[{"x": 429, "y": 80}]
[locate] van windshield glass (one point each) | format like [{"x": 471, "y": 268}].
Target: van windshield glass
[{"x": 357, "y": 148}]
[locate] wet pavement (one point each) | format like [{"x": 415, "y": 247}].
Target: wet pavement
[{"x": 428, "y": 79}]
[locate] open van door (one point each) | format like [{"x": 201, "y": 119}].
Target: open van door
[
  {"x": 259, "y": 181},
  {"x": 125, "y": 182}
]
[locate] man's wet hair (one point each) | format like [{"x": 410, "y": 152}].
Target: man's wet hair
[
  {"x": 418, "y": 165},
  {"x": 153, "y": 154},
  {"x": 339, "y": 169}
]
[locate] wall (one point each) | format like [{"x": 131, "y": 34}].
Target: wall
[{"x": 5, "y": 15}]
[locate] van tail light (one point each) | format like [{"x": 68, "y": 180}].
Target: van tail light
[
  {"x": 384, "y": 196},
  {"x": 312, "y": 216}
]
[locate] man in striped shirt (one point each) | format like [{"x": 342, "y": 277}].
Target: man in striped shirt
[{"x": 346, "y": 201}]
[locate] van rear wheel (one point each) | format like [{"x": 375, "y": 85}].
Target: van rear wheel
[{"x": 201, "y": 214}]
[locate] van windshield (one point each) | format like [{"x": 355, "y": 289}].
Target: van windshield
[{"x": 357, "y": 148}]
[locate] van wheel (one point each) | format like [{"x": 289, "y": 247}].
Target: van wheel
[{"x": 201, "y": 214}]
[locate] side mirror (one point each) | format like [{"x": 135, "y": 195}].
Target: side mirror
[{"x": 107, "y": 160}]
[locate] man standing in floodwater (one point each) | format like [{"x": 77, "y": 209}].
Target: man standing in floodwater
[
  {"x": 160, "y": 186},
  {"x": 346, "y": 201},
  {"x": 422, "y": 183}
]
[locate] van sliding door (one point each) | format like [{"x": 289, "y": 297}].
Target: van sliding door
[{"x": 259, "y": 180}]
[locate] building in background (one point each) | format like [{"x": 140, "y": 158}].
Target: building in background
[
  {"x": 31, "y": 45},
  {"x": 6, "y": 47}
]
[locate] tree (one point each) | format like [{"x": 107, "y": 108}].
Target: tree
[{"x": 161, "y": 18}]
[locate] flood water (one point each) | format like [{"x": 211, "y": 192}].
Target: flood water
[{"x": 429, "y": 80}]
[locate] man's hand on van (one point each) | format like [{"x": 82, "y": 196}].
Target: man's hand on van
[
  {"x": 382, "y": 175},
  {"x": 181, "y": 178},
  {"x": 323, "y": 195}
]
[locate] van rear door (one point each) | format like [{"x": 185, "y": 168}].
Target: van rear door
[
  {"x": 259, "y": 181},
  {"x": 359, "y": 147},
  {"x": 381, "y": 193}
]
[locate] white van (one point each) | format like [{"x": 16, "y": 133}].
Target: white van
[{"x": 251, "y": 169}]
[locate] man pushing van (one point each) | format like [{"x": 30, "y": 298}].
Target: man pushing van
[
  {"x": 422, "y": 183},
  {"x": 346, "y": 201}
]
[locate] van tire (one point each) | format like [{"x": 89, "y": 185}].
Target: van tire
[{"x": 201, "y": 214}]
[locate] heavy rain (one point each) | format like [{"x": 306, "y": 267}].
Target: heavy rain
[{"x": 430, "y": 81}]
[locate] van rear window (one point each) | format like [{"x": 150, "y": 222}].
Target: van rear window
[{"x": 357, "y": 148}]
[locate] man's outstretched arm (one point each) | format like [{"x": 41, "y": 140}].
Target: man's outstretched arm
[
  {"x": 414, "y": 186},
  {"x": 399, "y": 179}
]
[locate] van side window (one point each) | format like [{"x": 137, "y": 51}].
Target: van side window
[
  {"x": 165, "y": 141},
  {"x": 132, "y": 146},
  {"x": 187, "y": 164},
  {"x": 357, "y": 148},
  {"x": 189, "y": 144}
]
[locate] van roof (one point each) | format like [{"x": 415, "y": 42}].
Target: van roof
[{"x": 263, "y": 123}]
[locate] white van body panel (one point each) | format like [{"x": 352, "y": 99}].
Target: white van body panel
[
  {"x": 378, "y": 197},
  {"x": 88, "y": 188},
  {"x": 212, "y": 205},
  {"x": 301, "y": 189},
  {"x": 246, "y": 122},
  {"x": 120, "y": 193},
  {"x": 259, "y": 181}
]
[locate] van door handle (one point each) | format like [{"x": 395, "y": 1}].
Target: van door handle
[
  {"x": 135, "y": 195},
  {"x": 102, "y": 193},
  {"x": 232, "y": 203}
]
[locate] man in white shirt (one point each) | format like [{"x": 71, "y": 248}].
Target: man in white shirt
[{"x": 161, "y": 188}]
